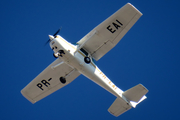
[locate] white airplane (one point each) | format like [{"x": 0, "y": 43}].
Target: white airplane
[{"x": 74, "y": 60}]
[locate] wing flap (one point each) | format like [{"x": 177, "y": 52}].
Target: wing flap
[
  {"x": 48, "y": 81},
  {"x": 102, "y": 49}
]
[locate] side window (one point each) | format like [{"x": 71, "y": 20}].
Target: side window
[{"x": 86, "y": 53}]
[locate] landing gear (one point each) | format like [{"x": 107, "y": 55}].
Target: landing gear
[
  {"x": 59, "y": 53},
  {"x": 87, "y": 60},
  {"x": 55, "y": 55},
  {"x": 63, "y": 80}
]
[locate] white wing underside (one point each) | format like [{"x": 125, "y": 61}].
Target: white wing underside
[
  {"x": 48, "y": 81},
  {"x": 107, "y": 34}
]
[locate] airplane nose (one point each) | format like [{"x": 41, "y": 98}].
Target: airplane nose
[{"x": 51, "y": 37}]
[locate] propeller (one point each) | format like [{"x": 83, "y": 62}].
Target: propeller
[{"x": 54, "y": 35}]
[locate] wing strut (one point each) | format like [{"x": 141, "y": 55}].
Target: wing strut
[{"x": 69, "y": 74}]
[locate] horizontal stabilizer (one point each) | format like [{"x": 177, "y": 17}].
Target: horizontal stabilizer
[
  {"x": 135, "y": 93},
  {"x": 118, "y": 107}
]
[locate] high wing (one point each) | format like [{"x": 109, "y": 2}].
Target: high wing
[
  {"x": 48, "y": 81},
  {"x": 107, "y": 34}
]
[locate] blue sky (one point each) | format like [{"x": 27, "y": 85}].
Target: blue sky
[{"x": 148, "y": 54}]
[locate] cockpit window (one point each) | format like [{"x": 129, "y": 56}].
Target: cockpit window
[{"x": 86, "y": 53}]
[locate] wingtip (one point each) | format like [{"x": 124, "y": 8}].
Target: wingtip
[
  {"x": 27, "y": 97},
  {"x": 135, "y": 8}
]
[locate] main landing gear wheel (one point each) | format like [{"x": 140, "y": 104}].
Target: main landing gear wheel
[
  {"x": 63, "y": 80},
  {"x": 87, "y": 60}
]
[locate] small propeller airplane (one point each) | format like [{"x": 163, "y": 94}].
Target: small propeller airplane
[{"x": 74, "y": 60}]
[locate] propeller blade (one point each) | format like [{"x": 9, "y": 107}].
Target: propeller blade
[
  {"x": 47, "y": 42},
  {"x": 57, "y": 32}
]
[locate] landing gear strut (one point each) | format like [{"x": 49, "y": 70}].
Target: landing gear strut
[{"x": 59, "y": 53}]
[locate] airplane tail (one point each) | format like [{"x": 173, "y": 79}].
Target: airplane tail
[{"x": 130, "y": 98}]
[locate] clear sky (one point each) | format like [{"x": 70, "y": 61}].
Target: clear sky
[{"x": 148, "y": 54}]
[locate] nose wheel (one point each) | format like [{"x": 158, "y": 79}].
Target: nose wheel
[
  {"x": 59, "y": 53},
  {"x": 55, "y": 55}
]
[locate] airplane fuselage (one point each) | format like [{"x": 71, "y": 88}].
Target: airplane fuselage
[{"x": 76, "y": 60}]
